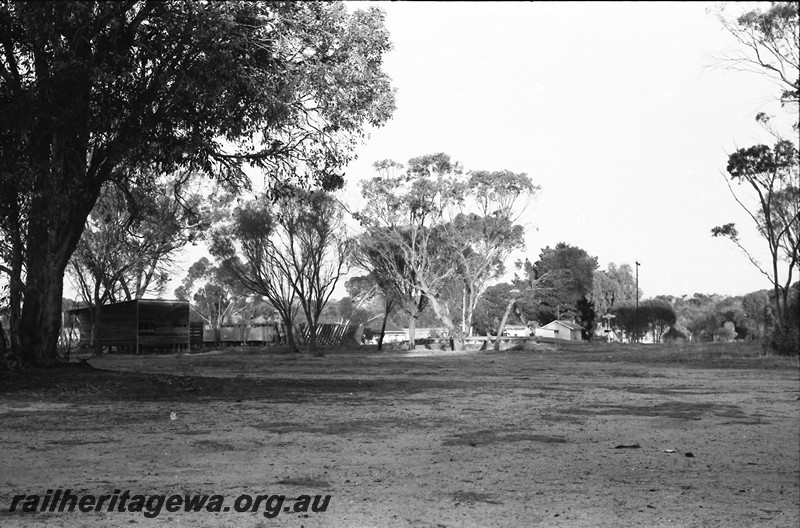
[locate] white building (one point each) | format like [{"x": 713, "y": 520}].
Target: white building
[
  {"x": 566, "y": 330},
  {"x": 516, "y": 331}
]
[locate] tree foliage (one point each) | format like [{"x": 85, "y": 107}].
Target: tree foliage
[
  {"x": 213, "y": 292},
  {"x": 613, "y": 285},
  {"x": 127, "y": 247},
  {"x": 92, "y": 92},
  {"x": 444, "y": 235},
  {"x": 566, "y": 277},
  {"x": 375, "y": 289},
  {"x": 653, "y": 315},
  {"x": 362, "y": 305},
  {"x": 402, "y": 224},
  {"x": 316, "y": 248},
  {"x": 376, "y": 252},
  {"x": 249, "y": 250},
  {"x": 363, "y": 297},
  {"x": 773, "y": 175},
  {"x": 485, "y": 237},
  {"x": 490, "y": 307},
  {"x": 702, "y": 317},
  {"x": 757, "y": 313},
  {"x": 769, "y": 45}
]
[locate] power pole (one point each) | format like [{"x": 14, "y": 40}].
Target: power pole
[
  {"x": 637, "y": 285},
  {"x": 608, "y": 318}
]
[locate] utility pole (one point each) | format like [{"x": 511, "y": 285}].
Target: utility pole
[
  {"x": 637, "y": 285},
  {"x": 608, "y": 318}
]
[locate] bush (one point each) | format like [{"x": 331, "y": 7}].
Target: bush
[
  {"x": 675, "y": 334},
  {"x": 726, "y": 332},
  {"x": 784, "y": 341}
]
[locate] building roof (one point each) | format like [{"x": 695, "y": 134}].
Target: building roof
[
  {"x": 143, "y": 302},
  {"x": 568, "y": 324}
]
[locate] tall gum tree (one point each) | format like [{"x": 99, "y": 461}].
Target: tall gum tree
[
  {"x": 446, "y": 235},
  {"x": 484, "y": 233},
  {"x": 772, "y": 174},
  {"x": 91, "y": 91},
  {"x": 248, "y": 249},
  {"x": 316, "y": 252},
  {"x": 769, "y": 44},
  {"x": 404, "y": 214},
  {"x": 292, "y": 251},
  {"x": 375, "y": 252}
]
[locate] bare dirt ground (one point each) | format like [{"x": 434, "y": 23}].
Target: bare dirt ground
[{"x": 517, "y": 438}]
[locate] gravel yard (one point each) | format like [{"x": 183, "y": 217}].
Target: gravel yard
[{"x": 583, "y": 436}]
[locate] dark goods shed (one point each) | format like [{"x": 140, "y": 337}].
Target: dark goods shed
[{"x": 138, "y": 326}]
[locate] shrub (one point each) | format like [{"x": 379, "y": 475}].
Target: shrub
[
  {"x": 726, "y": 332},
  {"x": 784, "y": 341},
  {"x": 675, "y": 334}
]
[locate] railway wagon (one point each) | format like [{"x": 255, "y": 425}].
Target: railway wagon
[
  {"x": 229, "y": 335},
  {"x": 274, "y": 334}
]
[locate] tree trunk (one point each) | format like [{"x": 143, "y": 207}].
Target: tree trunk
[
  {"x": 502, "y": 326},
  {"x": 41, "y": 316},
  {"x": 93, "y": 341},
  {"x": 472, "y": 300},
  {"x": 62, "y": 196},
  {"x": 14, "y": 317},
  {"x": 412, "y": 323},
  {"x": 784, "y": 313},
  {"x": 16, "y": 286},
  {"x": 290, "y": 339},
  {"x": 4, "y": 350},
  {"x": 312, "y": 340},
  {"x": 54, "y": 228},
  {"x": 443, "y": 312},
  {"x": 386, "y": 311},
  {"x": 464, "y": 312},
  {"x": 287, "y": 323}
]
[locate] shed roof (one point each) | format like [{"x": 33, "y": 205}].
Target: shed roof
[
  {"x": 141, "y": 302},
  {"x": 568, "y": 324}
]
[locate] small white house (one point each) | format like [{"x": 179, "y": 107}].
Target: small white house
[
  {"x": 566, "y": 330},
  {"x": 517, "y": 331}
]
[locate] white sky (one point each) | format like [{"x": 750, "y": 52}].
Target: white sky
[{"x": 613, "y": 108}]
